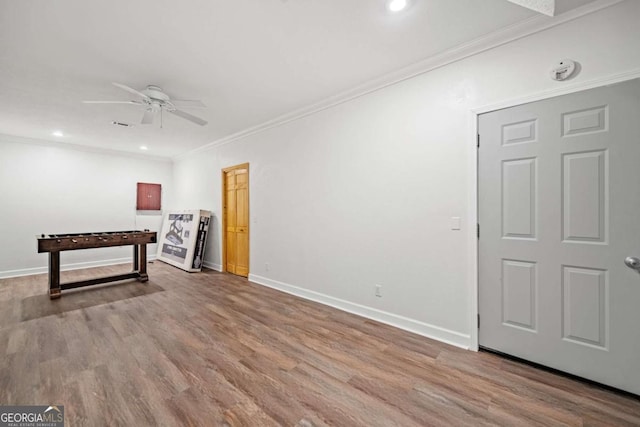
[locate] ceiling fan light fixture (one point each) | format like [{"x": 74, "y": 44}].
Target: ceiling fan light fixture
[
  {"x": 144, "y": 148},
  {"x": 397, "y": 5},
  {"x": 57, "y": 133}
]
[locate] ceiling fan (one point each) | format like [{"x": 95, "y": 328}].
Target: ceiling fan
[{"x": 154, "y": 101}]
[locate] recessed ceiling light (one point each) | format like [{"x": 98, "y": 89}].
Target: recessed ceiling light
[
  {"x": 397, "y": 5},
  {"x": 57, "y": 133},
  {"x": 143, "y": 147}
]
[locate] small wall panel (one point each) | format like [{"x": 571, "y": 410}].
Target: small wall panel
[
  {"x": 519, "y": 198},
  {"x": 585, "y": 306},
  {"x": 149, "y": 197},
  {"x": 519, "y": 287},
  {"x": 585, "y": 121},
  {"x": 584, "y": 196},
  {"x": 518, "y": 133}
]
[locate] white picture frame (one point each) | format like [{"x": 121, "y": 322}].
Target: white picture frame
[{"x": 183, "y": 239}]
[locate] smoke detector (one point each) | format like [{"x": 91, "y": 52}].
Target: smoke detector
[{"x": 563, "y": 70}]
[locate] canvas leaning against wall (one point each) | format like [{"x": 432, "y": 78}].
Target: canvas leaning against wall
[{"x": 183, "y": 239}]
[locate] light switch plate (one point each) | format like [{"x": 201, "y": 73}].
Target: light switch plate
[{"x": 455, "y": 223}]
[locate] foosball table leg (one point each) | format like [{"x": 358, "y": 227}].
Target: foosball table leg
[
  {"x": 143, "y": 264},
  {"x": 136, "y": 258},
  {"x": 54, "y": 275}
]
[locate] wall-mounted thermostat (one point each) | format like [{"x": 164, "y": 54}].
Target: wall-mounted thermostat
[{"x": 563, "y": 70}]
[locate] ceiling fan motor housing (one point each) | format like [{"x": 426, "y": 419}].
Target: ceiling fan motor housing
[{"x": 156, "y": 93}]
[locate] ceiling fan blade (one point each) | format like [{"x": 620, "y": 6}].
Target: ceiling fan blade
[
  {"x": 113, "y": 102},
  {"x": 148, "y": 117},
  {"x": 548, "y": 7},
  {"x": 130, "y": 90},
  {"x": 190, "y": 117},
  {"x": 188, "y": 103}
]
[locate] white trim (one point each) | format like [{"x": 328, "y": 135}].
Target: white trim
[
  {"x": 68, "y": 267},
  {"x": 430, "y": 331},
  {"x": 213, "y": 266},
  {"x": 563, "y": 90},
  {"x": 493, "y": 40},
  {"x": 472, "y": 266},
  {"x": 538, "y": 96}
]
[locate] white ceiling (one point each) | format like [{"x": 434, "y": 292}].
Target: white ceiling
[{"x": 250, "y": 61}]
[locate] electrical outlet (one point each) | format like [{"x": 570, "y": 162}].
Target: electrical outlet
[
  {"x": 378, "y": 290},
  {"x": 266, "y": 266}
]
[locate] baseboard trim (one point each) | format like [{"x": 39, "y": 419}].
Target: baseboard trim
[
  {"x": 68, "y": 267},
  {"x": 213, "y": 266},
  {"x": 430, "y": 331}
]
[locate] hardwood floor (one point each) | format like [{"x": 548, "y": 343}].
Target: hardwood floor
[{"x": 211, "y": 349}]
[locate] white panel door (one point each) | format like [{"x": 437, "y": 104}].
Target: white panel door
[{"x": 559, "y": 211}]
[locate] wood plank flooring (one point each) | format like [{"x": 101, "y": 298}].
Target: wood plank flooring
[{"x": 212, "y": 349}]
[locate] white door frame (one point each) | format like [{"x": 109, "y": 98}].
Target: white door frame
[{"x": 473, "y": 166}]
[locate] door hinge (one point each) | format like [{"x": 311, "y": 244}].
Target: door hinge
[
  {"x": 478, "y": 141},
  {"x": 478, "y": 320},
  {"x": 478, "y": 231}
]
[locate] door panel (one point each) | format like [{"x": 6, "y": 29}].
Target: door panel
[
  {"x": 519, "y": 287},
  {"x": 558, "y": 207},
  {"x": 242, "y": 263},
  {"x": 242, "y": 227},
  {"x": 230, "y": 217},
  {"x": 584, "y": 197},
  {"x": 231, "y": 252},
  {"x": 585, "y": 306},
  {"x": 519, "y": 198}
]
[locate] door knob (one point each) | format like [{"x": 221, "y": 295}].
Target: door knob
[{"x": 633, "y": 263}]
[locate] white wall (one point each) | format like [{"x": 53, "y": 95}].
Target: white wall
[
  {"x": 47, "y": 188},
  {"x": 362, "y": 193}
]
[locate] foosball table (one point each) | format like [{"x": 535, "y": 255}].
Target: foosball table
[{"x": 56, "y": 243}]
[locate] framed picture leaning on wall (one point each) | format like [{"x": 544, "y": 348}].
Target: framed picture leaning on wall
[{"x": 183, "y": 239}]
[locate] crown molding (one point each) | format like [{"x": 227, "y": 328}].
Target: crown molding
[
  {"x": 77, "y": 147},
  {"x": 490, "y": 41},
  {"x": 559, "y": 91}
]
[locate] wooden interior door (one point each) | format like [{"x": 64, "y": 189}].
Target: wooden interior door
[
  {"x": 236, "y": 219},
  {"x": 558, "y": 209}
]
